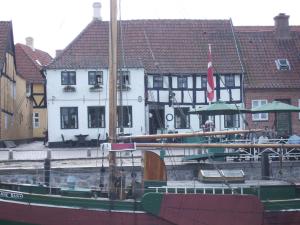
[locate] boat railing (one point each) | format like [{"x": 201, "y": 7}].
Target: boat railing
[{"x": 198, "y": 190}]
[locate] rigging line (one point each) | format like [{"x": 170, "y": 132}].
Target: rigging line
[
  {"x": 172, "y": 160},
  {"x": 124, "y": 65},
  {"x": 165, "y": 82},
  {"x": 156, "y": 63},
  {"x": 238, "y": 51},
  {"x": 184, "y": 116},
  {"x": 231, "y": 99},
  {"x": 225, "y": 181}
]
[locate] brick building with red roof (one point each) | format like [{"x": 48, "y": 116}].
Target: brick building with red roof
[{"x": 271, "y": 60}]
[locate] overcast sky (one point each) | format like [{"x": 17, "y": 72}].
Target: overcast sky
[{"x": 55, "y": 23}]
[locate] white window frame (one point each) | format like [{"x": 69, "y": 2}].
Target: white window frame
[
  {"x": 259, "y": 116},
  {"x": 14, "y": 91},
  {"x": 235, "y": 120},
  {"x": 6, "y": 121},
  {"x": 36, "y": 120},
  {"x": 281, "y": 67},
  {"x": 28, "y": 89},
  {"x": 95, "y": 77},
  {"x": 125, "y": 77}
]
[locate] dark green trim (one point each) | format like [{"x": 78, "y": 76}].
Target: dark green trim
[
  {"x": 6, "y": 222},
  {"x": 276, "y": 205},
  {"x": 78, "y": 202},
  {"x": 151, "y": 203}
]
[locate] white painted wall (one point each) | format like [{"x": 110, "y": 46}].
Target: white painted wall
[{"x": 83, "y": 97}]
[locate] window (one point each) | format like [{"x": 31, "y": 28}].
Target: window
[
  {"x": 36, "y": 120},
  {"x": 96, "y": 116},
  {"x": 68, "y": 77},
  {"x": 182, "y": 118},
  {"x": 282, "y": 64},
  {"x": 158, "y": 82},
  {"x": 182, "y": 82},
  {"x": 69, "y": 117},
  {"x": 232, "y": 121},
  {"x": 259, "y": 116},
  {"x": 125, "y": 77},
  {"x": 124, "y": 118},
  {"x": 229, "y": 81},
  {"x": 28, "y": 89},
  {"x": 13, "y": 90},
  {"x": 6, "y": 121},
  {"x": 202, "y": 120},
  {"x": 203, "y": 82},
  {"x": 95, "y": 77}
]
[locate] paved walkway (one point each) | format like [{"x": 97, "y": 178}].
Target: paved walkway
[{"x": 32, "y": 155}]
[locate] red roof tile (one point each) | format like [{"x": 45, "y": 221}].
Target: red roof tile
[
  {"x": 159, "y": 46},
  {"x": 260, "y": 48},
  {"x": 30, "y": 62}
]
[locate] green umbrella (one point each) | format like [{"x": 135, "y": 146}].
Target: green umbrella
[
  {"x": 219, "y": 108},
  {"x": 275, "y": 106}
]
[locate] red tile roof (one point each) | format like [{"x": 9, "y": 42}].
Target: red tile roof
[
  {"x": 260, "y": 49},
  {"x": 159, "y": 46},
  {"x": 30, "y": 62}
]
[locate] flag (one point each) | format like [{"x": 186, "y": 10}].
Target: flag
[{"x": 210, "y": 77}]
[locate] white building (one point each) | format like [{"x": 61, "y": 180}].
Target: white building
[
  {"x": 165, "y": 66},
  {"x": 78, "y": 105}
]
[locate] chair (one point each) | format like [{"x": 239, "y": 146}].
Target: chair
[
  {"x": 66, "y": 143},
  {"x": 96, "y": 142}
]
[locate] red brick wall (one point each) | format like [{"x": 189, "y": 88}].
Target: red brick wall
[{"x": 272, "y": 94}]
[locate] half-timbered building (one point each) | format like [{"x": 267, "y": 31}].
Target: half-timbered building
[
  {"x": 15, "y": 106},
  {"x": 164, "y": 67},
  {"x": 30, "y": 62}
]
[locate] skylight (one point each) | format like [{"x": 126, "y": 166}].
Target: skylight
[
  {"x": 38, "y": 62},
  {"x": 282, "y": 64}
]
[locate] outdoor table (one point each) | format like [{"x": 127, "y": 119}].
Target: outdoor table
[{"x": 81, "y": 139}]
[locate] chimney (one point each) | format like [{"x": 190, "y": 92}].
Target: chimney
[
  {"x": 29, "y": 42},
  {"x": 97, "y": 11},
  {"x": 282, "y": 29},
  {"x": 58, "y": 52}
]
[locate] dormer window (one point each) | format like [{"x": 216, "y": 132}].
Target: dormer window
[{"x": 282, "y": 64}]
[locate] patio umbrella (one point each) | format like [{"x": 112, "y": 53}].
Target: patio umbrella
[
  {"x": 275, "y": 106},
  {"x": 219, "y": 108}
]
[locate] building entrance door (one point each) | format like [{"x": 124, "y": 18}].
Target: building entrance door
[
  {"x": 283, "y": 121},
  {"x": 156, "y": 119}
]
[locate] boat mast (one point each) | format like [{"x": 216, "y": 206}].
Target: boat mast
[{"x": 112, "y": 96}]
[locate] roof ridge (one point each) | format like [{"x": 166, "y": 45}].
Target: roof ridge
[
  {"x": 34, "y": 63},
  {"x": 72, "y": 42},
  {"x": 36, "y": 52}
]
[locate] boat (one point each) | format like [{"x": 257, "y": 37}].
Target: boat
[{"x": 230, "y": 200}]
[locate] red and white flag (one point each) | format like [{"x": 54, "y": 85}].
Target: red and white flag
[{"x": 210, "y": 77}]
